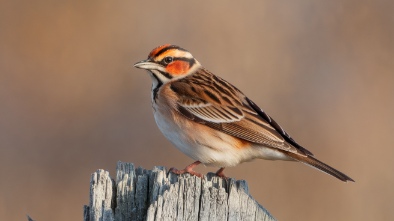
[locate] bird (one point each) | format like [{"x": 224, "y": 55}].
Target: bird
[{"x": 212, "y": 121}]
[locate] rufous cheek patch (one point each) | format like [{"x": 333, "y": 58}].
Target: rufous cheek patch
[
  {"x": 178, "y": 67},
  {"x": 156, "y": 50}
]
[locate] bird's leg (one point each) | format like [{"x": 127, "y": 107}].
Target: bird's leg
[
  {"x": 220, "y": 173},
  {"x": 188, "y": 169}
]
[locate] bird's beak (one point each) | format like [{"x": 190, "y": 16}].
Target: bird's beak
[{"x": 146, "y": 64}]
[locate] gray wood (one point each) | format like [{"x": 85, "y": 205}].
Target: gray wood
[
  {"x": 102, "y": 197},
  {"x": 139, "y": 194}
]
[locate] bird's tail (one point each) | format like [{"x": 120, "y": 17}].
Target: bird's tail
[{"x": 311, "y": 161}]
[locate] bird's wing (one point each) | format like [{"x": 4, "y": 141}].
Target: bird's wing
[{"x": 212, "y": 101}]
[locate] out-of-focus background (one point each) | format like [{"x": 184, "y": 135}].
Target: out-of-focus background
[{"x": 71, "y": 102}]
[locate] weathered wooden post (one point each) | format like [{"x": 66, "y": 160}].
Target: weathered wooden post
[{"x": 139, "y": 194}]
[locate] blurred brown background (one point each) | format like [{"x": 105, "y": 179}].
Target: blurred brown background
[{"x": 71, "y": 102}]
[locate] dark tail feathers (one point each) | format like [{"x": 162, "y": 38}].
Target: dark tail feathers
[{"x": 311, "y": 161}]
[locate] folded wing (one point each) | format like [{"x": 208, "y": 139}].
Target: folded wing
[{"x": 230, "y": 112}]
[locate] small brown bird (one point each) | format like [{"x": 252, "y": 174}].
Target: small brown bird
[{"x": 213, "y": 122}]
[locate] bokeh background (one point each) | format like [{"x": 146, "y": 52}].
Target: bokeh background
[{"x": 71, "y": 102}]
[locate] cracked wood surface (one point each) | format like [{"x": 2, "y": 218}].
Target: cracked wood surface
[{"x": 140, "y": 194}]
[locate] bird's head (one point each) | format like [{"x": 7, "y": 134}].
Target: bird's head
[{"x": 168, "y": 62}]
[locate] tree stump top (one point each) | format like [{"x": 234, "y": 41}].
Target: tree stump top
[{"x": 140, "y": 194}]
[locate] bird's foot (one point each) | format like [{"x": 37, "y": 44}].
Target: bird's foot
[
  {"x": 188, "y": 169},
  {"x": 192, "y": 172},
  {"x": 220, "y": 173}
]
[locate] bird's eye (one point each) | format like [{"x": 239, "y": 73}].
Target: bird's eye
[{"x": 168, "y": 60}]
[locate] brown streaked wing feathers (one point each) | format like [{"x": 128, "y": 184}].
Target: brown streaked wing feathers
[
  {"x": 204, "y": 104},
  {"x": 226, "y": 109},
  {"x": 277, "y": 127}
]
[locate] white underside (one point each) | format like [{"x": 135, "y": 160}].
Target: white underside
[{"x": 210, "y": 147}]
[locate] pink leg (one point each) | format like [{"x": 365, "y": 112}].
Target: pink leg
[
  {"x": 220, "y": 173},
  {"x": 188, "y": 169}
]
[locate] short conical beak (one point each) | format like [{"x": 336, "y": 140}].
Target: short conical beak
[{"x": 146, "y": 64}]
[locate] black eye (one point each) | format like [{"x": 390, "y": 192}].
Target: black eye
[{"x": 168, "y": 60}]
